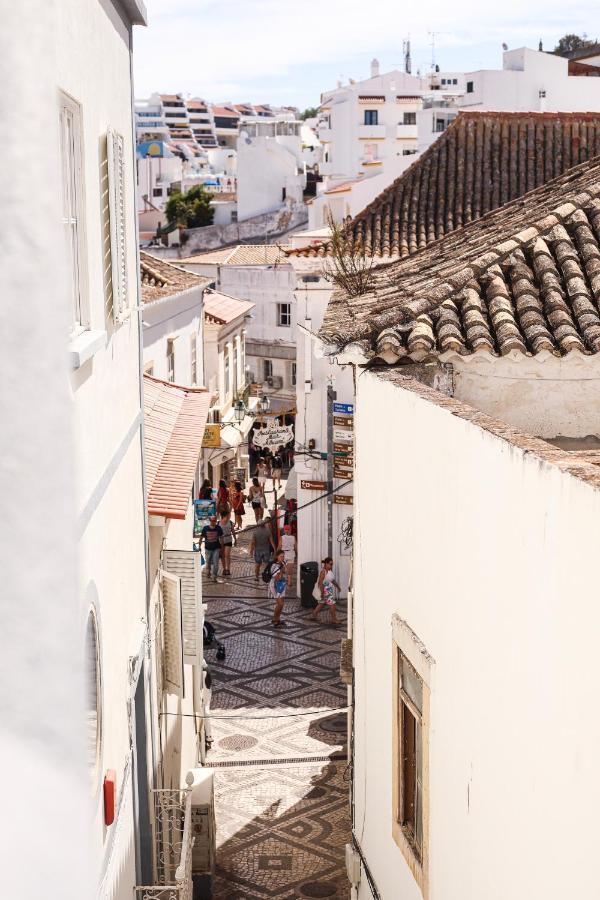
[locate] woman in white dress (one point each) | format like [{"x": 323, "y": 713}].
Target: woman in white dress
[
  {"x": 323, "y": 591},
  {"x": 287, "y": 543}
]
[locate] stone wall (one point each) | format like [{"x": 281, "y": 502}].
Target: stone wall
[{"x": 212, "y": 236}]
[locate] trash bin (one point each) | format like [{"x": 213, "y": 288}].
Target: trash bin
[{"x": 309, "y": 572}]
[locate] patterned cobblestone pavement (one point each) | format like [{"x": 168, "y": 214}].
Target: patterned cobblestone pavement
[{"x": 281, "y": 783}]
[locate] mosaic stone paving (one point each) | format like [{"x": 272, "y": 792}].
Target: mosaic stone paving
[{"x": 281, "y": 770}]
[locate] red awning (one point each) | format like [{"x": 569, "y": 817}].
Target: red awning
[{"x": 174, "y": 423}]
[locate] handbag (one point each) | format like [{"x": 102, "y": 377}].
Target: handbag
[{"x": 317, "y": 593}]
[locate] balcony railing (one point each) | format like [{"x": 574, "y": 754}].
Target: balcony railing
[{"x": 174, "y": 840}]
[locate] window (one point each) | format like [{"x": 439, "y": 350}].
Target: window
[
  {"x": 93, "y": 695},
  {"x": 293, "y": 374},
  {"x": 227, "y": 373},
  {"x": 284, "y": 314},
  {"x": 267, "y": 369},
  {"x": 157, "y": 192},
  {"x": 409, "y": 118},
  {"x": 443, "y": 81},
  {"x": 408, "y": 152},
  {"x": 234, "y": 215},
  {"x": 115, "y": 150},
  {"x": 440, "y": 125},
  {"x": 72, "y": 205},
  {"x": 170, "y": 360},
  {"x": 410, "y": 710},
  {"x": 283, "y": 194},
  {"x": 235, "y": 370},
  {"x": 470, "y": 87},
  {"x": 455, "y": 81},
  {"x": 410, "y": 824},
  {"x": 194, "y": 358},
  {"x": 371, "y": 116}
]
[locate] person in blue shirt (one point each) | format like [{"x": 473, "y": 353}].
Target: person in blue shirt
[{"x": 212, "y": 535}]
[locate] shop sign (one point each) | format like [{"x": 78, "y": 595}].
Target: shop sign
[
  {"x": 343, "y": 499},
  {"x": 313, "y": 485},
  {"x": 203, "y": 509},
  {"x": 346, "y": 409},
  {"x": 212, "y": 436},
  {"x": 344, "y": 421},
  {"x": 273, "y": 436}
]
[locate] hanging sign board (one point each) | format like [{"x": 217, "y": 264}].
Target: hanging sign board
[
  {"x": 212, "y": 436},
  {"x": 342, "y": 437},
  {"x": 203, "y": 509},
  {"x": 346, "y": 409},
  {"x": 273, "y": 436},
  {"x": 343, "y": 499},
  {"x": 313, "y": 485},
  {"x": 344, "y": 421}
]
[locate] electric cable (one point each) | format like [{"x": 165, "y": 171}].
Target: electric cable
[{"x": 306, "y": 712}]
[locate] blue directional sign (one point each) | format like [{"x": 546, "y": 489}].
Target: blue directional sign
[{"x": 346, "y": 409}]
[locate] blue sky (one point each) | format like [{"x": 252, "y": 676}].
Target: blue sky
[{"x": 288, "y": 51}]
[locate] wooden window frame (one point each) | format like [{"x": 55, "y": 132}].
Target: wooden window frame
[
  {"x": 284, "y": 312},
  {"x": 405, "y": 644}
]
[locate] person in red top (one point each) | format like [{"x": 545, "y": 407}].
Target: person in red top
[
  {"x": 237, "y": 504},
  {"x": 222, "y": 498}
]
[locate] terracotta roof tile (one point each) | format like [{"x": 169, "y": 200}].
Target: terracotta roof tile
[
  {"x": 482, "y": 161},
  {"x": 525, "y": 277},
  {"x": 241, "y": 255},
  {"x": 222, "y": 309},
  {"x": 162, "y": 279},
  {"x": 174, "y": 423}
]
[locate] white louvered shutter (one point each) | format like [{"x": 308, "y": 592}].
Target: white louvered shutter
[
  {"x": 172, "y": 633},
  {"x": 118, "y": 224},
  {"x": 186, "y": 565}
]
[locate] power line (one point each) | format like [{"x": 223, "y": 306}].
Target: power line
[{"x": 306, "y": 712}]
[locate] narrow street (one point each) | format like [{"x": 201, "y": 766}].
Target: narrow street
[{"x": 281, "y": 785}]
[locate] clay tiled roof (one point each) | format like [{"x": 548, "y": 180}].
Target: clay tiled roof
[
  {"x": 222, "y": 309},
  {"x": 162, "y": 279},
  {"x": 174, "y": 422},
  {"x": 225, "y": 112},
  {"x": 481, "y": 161},
  {"x": 241, "y": 255},
  {"x": 524, "y": 278}
]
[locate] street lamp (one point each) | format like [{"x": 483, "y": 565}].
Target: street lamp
[
  {"x": 239, "y": 411},
  {"x": 264, "y": 404}
]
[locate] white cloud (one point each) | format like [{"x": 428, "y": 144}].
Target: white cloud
[{"x": 222, "y": 49}]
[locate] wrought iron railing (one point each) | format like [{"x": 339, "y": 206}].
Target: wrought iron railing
[{"x": 173, "y": 842}]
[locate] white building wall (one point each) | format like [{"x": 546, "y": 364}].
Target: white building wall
[
  {"x": 549, "y": 397},
  {"x": 266, "y": 167},
  {"x": 93, "y": 67},
  {"x": 525, "y": 73},
  {"x": 313, "y": 376},
  {"x": 179, "y": 318},
  {"x": 484, "y": 551}
]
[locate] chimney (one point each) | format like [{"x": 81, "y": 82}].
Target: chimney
[{"x": 374, "y": 68}]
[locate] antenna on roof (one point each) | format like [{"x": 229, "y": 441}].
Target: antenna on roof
[
  {"x": 505, "y": 47},
  {"x": 406, "y": 54}
]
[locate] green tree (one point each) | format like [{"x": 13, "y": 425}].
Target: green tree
[
  {"x": 309, "y": 113},
  {"x": 190, "y": 210},
  {"x": 570, "y": 42}
]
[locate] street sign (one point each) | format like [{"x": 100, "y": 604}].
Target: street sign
[
  {"x": 313, "y": 485},
  {"x": 346, "y": 409},
  {"x": 343, "y": 437},
  {"x": 344, "y": 472},
  {"x": 212, "y": 436},
  {"x": 343, "y": 499},
  {"x": 344, "y": 421},
  {"x": 342, "y": 448}
]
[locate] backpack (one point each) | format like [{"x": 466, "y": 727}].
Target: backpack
[{"x": 267, "y": 572}]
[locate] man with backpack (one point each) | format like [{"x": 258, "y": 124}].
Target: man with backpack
[
  {"x": 276, "y": 578},
  {"x": 261, "y": 545}
]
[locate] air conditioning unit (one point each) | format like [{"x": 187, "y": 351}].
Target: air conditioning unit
[
  {"x": 269, "y": 381},
  {"x": 276, "y": 381}
]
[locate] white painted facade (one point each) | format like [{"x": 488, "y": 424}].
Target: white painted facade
[
  {"x": 484, "y": 554},
  {"x": 530, "y": 80},
  {"x": 270, "y": 166},
  {"x": 270, "y": 346},
  {"x": 175, "y": 323},
  {"x": 314, "y": 374}
]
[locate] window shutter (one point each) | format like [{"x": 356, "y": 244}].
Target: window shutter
[
  {"x": 185, "y": 564},
  {"x": 172, "y": 633},
  {"x": 116, "y": 199}
]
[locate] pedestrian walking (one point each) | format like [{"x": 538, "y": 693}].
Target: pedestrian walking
[
  {"x": 222, "y": 497},
  {"x": 212, "y": 535},
  {"x": 262, "y": 472},
  {"x": 323, "y": 591},
  {"x": 205, "y": 491},
  {"x": 277, "y": 469},
  {"x": 277, "y": 586},
  {"x": 287, "y": 543},
  {"x": 228, "y": 541},
  {"x": 237, "y": 503},
  {"x": 261, "y": 545},
  {"x": 256, "y": 496}
]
